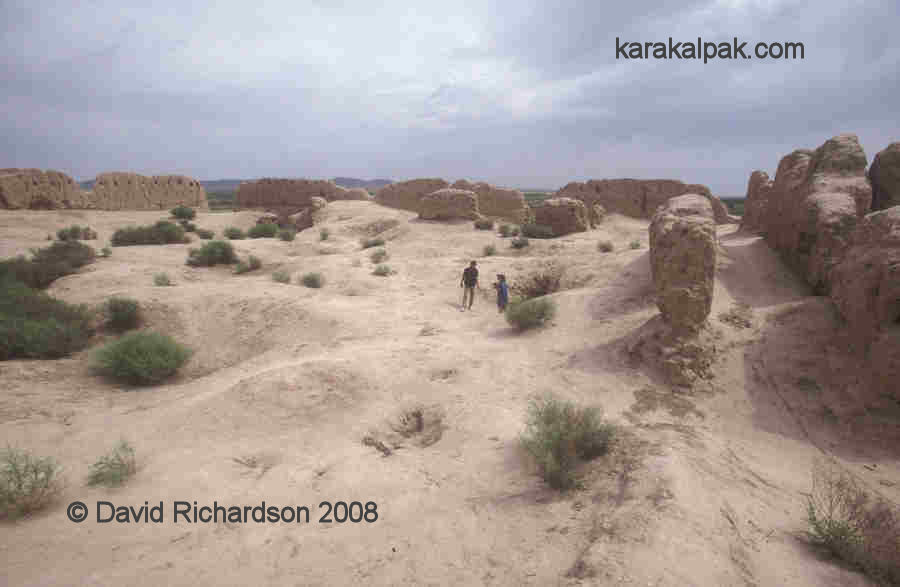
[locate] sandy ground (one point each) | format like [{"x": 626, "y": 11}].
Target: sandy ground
[{"x": 287, "y": 382}]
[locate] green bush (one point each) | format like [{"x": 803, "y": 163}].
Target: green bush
[
  {"x": 205, "y": 234},
  {"x": 368, "y": 243},
  {"x": 313, "y": 280},
  {"x": 537, "y": 231},
  {"x": 241, "y": 267},
  {"x": 605, "y": 246},
  {"x": 559, "y": 434},
  {"x": 484, "y": 224},
  {"x": 161, "y": 279},
  {"x": 263, "y": 231},
  {"x": 379, "y": 256},
  {"x": 48, "y": 264},
  {"x": 519, "y": 242},
  {"x": 233, "y": 233},
  {"x": 141, "y": 358},
  {"x": 281, "y": 277},
  {"x": 635, "y": 244},
  {"x": 187, "y": 225},
  {"x": 182, "y": 212},
  {"x": 254, "y": 262},
  {"x": 287, "y": 234},
  {"x": 123, "y": 313},
  {"x": 525, "y": 314},
  {"x": 212, "y": 253},
  {"x": 114, "y": 468},
  {"x": 35, "y": 325},
  {"x": 490, "y": 250},
  {"x": 105, "y": 252},
  {"x": 161, "y": 233},
  {"x": 75, "y": 232},
  {"x": 27, "y": 483},
  {"x": 324, "y": 234},
  {"x": 382, "y": 271},
  {"x": 844, "y": 519},
  {"x": 509, "y": 230}
]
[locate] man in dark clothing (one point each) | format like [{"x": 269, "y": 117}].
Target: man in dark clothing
[{"x": 469, "y": 282}]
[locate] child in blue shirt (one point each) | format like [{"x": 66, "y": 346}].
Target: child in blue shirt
[{"x": 502, "y": 292}]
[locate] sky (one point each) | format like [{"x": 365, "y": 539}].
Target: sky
[{"x": 517, "y": 93}]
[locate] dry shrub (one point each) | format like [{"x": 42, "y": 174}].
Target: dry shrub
[{"x": 540, "y": 282}]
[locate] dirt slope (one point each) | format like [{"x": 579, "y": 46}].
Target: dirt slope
[{"x": 703, "y": 489}]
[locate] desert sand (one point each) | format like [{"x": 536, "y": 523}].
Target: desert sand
[{"x": 703, "y": 488}]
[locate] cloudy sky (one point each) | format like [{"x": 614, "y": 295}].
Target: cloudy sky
[{"x": 519, "y": 93}]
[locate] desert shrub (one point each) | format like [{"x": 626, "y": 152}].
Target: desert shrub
[
  {"x": 182, "y": 212},
  {"x": 27, "y": 483},
  {"x": 490, "y": 250},
  {"x": 123, "y": 313},
  {"x": 558, "y": 434},
  {"x": 265, "y": 230},
  {"x": 324, "y": 234},
  {"x": 605, "y": 246},
  {"x": 48, "y": 264},
  {"x": 161, "y": 233},
  {"x": 114, "y": 468},
  {"x": 187, "y": 225},
  {"x": 37, "y": 326},
  {"x": 281, "y": 277},
  {"x": 525, "y": 314},
  {"x": 212, "y": 253},
  {"x": 635, "y": 244},
  {"x": 520, "y": 242},
  {"x": 379, "y": 256},
  {"x": 161, "y": 279},
  {"x": 312, "y": 280},
  {"x": 141, "y": 358},
  {"x": 540, "y": 282},
  {"x": 205, "y": 234},
  {"x": 287, "y": 234},
  {"x": 382, "y": 271},
  {"x": 105, "y": 252},
  {"x": 254, "y": 262},
  {"x": 484, "y": 224},
  {"x": 75, "y": 232},
  {"x": 241, "y": 267},
  {"x": 509, "y": 230},
  {"x": 368, "y": 243},
  {"x": 537, "y": 231},
  {"x": 851, "y": 525},
  {"x": 233, "y": 233}
]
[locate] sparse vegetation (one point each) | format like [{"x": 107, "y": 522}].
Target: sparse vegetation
[
  {"x": 605, "y": 246},
  {"x": 254, "y": 262},
  {"x": 484, "y": 224},
  {"x": 314, "y": 280},
  {"x": 368, "y": 243},
  {"x": 281, "y": 277},
  {"x": 379, "y": 256},
  {"x": 123, "y": 313},
  {"x": 183, "y": 212},
  {"x": 75, "y": 232},
  {"x": 212, "y": 253},
  {"x": 111, "y": 470},
  {"x": 205, "y": 234},
  {"x": 27, "y": 482},
  {"x": 241, "y": 267},
  {"x": 105, "y": 252},
  {"x": 520, "y": 242},
  {"x": 187, "y": 225},
  {"x": 540, "y": 282},
  {"x": 48, "y": 264},
  {"x": 535, "y": 199},
  {"x": 161, "y": 233},
  {"x": 323, "y": 234},
  {"x": 265, "y": 230},
  {"x": 490, "y": 250},
  {"x": 525, "y": 314},
  {"x": 635, "y": 244},
  {"x": 35, "y": 325},
  {"x": 844, "y": 519},
  {"x": 141, "y": 358},
  {"x": 382, "y": 270},
  {"x": 287, "y": 234},
  {"x": 537, "y": 231},
  {"x": 233, "y": 233},
  {"x": 560, "y": 434},
  {"x": 161, "y": 279},
  {"x": 509, "y": 230}
]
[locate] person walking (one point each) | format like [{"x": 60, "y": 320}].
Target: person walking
[
  {"x": 469, "y": 282},
  {"x": 502, "y": 292}
]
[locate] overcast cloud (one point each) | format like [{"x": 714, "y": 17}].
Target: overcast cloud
[{"x": 519, "y": 93}]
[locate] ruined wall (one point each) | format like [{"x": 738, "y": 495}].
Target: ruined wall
[
  {"x": 405, "y": 195},
  {"x": 37, "y": 189},
  {"x": 286, "y": 196},
  {"x": 449, "y": 203},
  {"x": 759, "y": 188},
  {"x": 131, "y": 191},
  {"x": 563, "y": 215},
  {"x": 884, "y": 174},
  {"x": 498, "y": 202}
]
